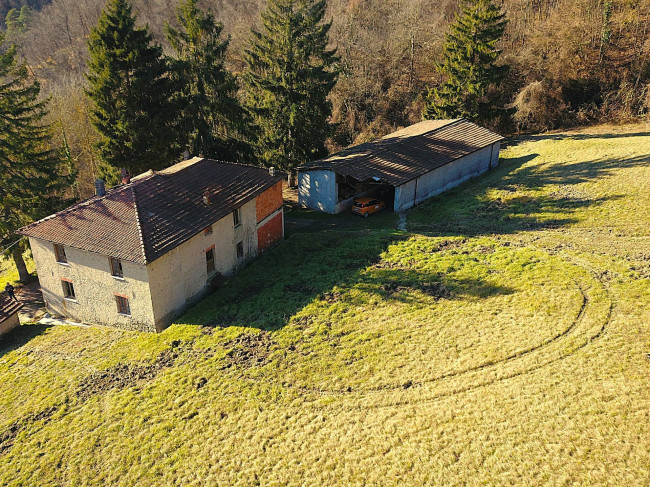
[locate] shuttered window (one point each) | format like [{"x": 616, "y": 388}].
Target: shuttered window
[{"x": 123, "y": 305}]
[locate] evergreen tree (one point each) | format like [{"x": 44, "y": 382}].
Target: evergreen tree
[
  {"x": 470, "y": 66},
  {"x": 131, "y": 91},
  {"x": 32, "y": 176},
  {"x": 290, "y": 73},
  {"x": 18, "y": 21},
  {"x": 210, "y": 114}
]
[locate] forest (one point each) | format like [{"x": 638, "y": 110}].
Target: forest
[{"x": 572, "y": 62}]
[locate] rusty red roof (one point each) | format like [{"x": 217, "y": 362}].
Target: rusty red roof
[
  {"x": 409, "y": 153},
  {"x": 8, "y": 308},
  {"x": 157, "y": 211}
]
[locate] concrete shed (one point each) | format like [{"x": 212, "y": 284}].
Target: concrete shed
[
  {"x": 8, "y": 314},
  {"x": 403, "y": 168}
]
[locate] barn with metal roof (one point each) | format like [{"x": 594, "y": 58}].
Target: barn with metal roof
[{"x": 404, "y": 168}]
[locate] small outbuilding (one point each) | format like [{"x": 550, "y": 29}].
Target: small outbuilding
[
  {"x": 9, "y": 314},
  {"x": 403, "y": 168}
]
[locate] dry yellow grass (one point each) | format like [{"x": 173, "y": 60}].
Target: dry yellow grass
[{"x": 503, "y": 341}]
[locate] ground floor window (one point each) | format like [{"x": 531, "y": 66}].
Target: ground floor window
[
  {"x": 240, "y": 250},
  {"x": 123, "y": 305},
  {"x": 209, "y": 260},
  {"x": 68, "y": 290}
]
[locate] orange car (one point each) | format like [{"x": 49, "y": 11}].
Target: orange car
[{"x": 367, "y": 205}]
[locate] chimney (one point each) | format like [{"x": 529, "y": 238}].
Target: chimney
[
  {"x": 126, "y": 177},
  {"x": 206, "y": 198},
  {"x": 272, "y": 171},
  {"x": 100, "y": 188},
  {"x": 186, "y": 155}
]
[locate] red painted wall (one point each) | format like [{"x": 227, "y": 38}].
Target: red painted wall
[
  {"x": 269, "y": 201},
  {"x": 270, "y": 233}
]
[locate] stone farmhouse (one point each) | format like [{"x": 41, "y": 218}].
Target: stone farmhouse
[
  {"x": 403, "y": 168},
  {"x": 138, "y": 255}
]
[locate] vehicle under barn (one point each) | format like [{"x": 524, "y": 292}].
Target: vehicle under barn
[{"x": 403, "y": 168}]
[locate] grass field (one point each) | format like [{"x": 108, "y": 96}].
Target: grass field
[
  {"x": 504, "y": 339},
  {"x": 9, "y": 273}
]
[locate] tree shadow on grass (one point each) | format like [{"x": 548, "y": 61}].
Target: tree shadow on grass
[
  {"x": 473, "y": 213},
  {"x": 307, "y": 267},
  {"x": 282, "y": 282},
  {"x": 20, "y": 336},
  {"x": 408, "y": 286}
]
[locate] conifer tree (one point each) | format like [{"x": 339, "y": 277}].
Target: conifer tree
[
  {"x": 211, "y": 118},
  {"x": 32, "y": 176},
  {"x": 470, "y": 65},
  {"x": 290, "y": 73},
  {"x": 131, "y": 91}
]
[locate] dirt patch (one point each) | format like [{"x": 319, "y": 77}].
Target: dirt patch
[
  {"x": 250, "y": 350},
  {"x": 332, "y": 297},
  {"x": 485, "y": 250},
  {"x": 8, "y": 437},
  {"x": 434, "y": 289},
  {"x": 493, "y": 206},
  {"x": 449, "y": 245},
  {"x": 122, "y": 376},
  {"x": 303, "y": 322}
]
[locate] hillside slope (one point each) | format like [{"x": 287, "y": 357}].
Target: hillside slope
[{"x": 502, "y": 340}]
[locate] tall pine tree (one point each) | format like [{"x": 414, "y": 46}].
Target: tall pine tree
[
  {"x": 470, "y": 65},
  {"x": 33, "y": 178},
  {"x": 131, "y": 91},
  {"x": 211, "y": 117},
  {"x": 290, "y": 73}
]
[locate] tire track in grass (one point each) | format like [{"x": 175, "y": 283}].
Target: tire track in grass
[{"x": 515, "y": 359}]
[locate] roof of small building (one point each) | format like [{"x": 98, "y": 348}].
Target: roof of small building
[
  {"x": 157, "y": 211},
  {"x": 8, "y": 308},
  {"x": 409, "y": 153}
]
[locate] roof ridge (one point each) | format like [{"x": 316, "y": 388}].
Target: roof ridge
[
  {"x": 432, "y": 131},
  {"x": 139, "y": 225},
  {"x": 392, "y": 143}
]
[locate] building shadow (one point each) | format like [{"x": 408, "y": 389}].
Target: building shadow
[{"x": 20, "y": 336}]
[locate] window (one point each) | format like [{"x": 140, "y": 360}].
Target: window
[
  {"x": 122, "y": 305},
  {"x": 209, "y": 260},
  {"x": 59, "y": 252},
  {"x": 68, "y": 290},
  {"x": 208, "y": 230},
  {"x": 236, "y": 216},
  {"x": 116, "y": 267},
  {"x": 240, "y": 250}
]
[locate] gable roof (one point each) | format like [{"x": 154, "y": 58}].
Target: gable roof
[
  {"x": 156, "y": 212},
  {"x": 8, "y": 308},
  {"x": 408, "y": 153}
]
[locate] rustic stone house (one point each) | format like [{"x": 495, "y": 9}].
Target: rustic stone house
[
  {"x": 403, "y": 168},
  {"x": 137, "y": 256},
  {"x": 9, "y": 314}
]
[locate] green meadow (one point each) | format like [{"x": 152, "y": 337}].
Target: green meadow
[{"x": 502, "y": 339}]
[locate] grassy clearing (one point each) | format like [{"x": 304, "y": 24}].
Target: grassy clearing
[
  {"x": 9, "y": 273},
  {"x": 502, "y": 341}
]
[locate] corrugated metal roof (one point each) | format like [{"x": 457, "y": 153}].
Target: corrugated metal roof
[
  {"x": 409, "y": 153},
  {"x": 156, "y": 212}
]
